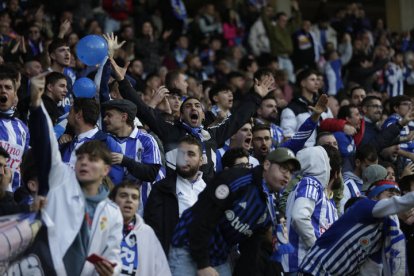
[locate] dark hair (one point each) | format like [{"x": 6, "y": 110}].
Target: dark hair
[
  {"x": 124, "y": 184},
  {"x": 150, "y": 76},
  {"x": 230, "y": 156},
  {"x": 8, "y": 72},
  {"x": 353, "y": 89},
  {"x": 396, "y": 101},
  {"x": 258, "y": 127},
  {"x": 345, "y": 111},
  {"x": 56, "y": 43},
  {"x": 335, "y": 158},
  {"x": 387, "y": 164},
  {"x": 28, "y": 167},
  {"x": 304, "y": 74},
  {"x": 368, "y": 99},
  {"x": 246, "y": 62},
  {"x": 95, "y": 149},
  {"x": 170, "y": 78},
  {"x": 186, "y": 100},
  {"x": 217, "y": 88},
  {"x": 279, "y": 14},
  {"x": 366, "y": 152},
  {"x": 191, "y": 140},
  {"x": 261, "y": 72},
  {"x": 89, "y": 108},
  {"x": 321, "y": 135},
  {"x": 4, "y": 153},
  {"x": 351, "y": 202},
  {"x": 53, "y": 77}
]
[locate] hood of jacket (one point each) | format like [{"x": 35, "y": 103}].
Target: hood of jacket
[{"x": 315, "y": 162}]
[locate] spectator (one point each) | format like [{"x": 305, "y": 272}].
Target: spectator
[
  {"x": 297, "y": 111},
  {"x": 83, "y": 117},
  {"x": 8, "y": 206},
  {"x": 236, "y": 158},
  {"x": 267, "y": 114},
  {"x": 141, "y": 252},
  {"x": 55, "y": 92},
  {"x": 79, "y": 195},
  {"x": 173, "y": 195},
  {"x": 310, "y": 209},
  {"x": 357, "y": 94},
  {"x": 176, "y": 79},
  {"x": 258, "y": 39},
  {"x": 368, "y": 214},
  {"x": 209, "y": 21},
  {"x": 221, "y": 96},
  {"x": 241, "y": 139},
  {"x": 140, "y": 156},
  {"x": 280, "y": 37},
  {"x": 227, "y": 200},
  {"x": 365, "y": 156},
  {"x": 304, "y": 48},
  {"x": 396, "y": 74},
  {"x": 14, "y": 135},
  {"x": 136, "y": 71},
  {"x": 150, "y": 49},
  {"x": 191, "y": 118}
]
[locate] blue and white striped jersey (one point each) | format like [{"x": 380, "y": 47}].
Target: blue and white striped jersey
[
  {"x": 393, "y": 119},
  {"x": 352, "y": 188},
  {"x": 323, "y": 216},
  {"x": 395, "y": 76},
  {"x": 344, "y": 248},
  {"x": 142, "y": 148},
  {"x": 14, "y": 138}
]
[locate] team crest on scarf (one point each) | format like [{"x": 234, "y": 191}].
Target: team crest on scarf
[{"x": 129, "y": 254}]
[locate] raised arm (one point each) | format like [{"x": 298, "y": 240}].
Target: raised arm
[
  {"x": 146, "y": 114},
  {"x": 45, "y": 146},
  {"x": 394, "y": 205},
  {"x": 242, "y": 115}
]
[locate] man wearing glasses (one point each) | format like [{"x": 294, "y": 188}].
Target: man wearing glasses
[
  {"x": 235, "y": 208},
  {"x": 372, "y": 110}
]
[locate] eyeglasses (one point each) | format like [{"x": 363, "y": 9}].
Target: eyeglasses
[
  {"x": 406, "y": 103},
  {"x": 284, "y": 168},
  {"x": 376, "y": 106},
  {"x": 243, "y": 165}
]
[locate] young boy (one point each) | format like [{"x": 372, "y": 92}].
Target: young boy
[{"x": 141, "y": 252}]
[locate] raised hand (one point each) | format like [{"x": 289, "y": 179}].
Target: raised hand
[
  {"x": 37, "y": 88},
  {"x": 158, "y": 96},
  {"x": 319, "y": 108},
  {"x": 113, "y": 44},
  {"x": 263, "y": 86},
  {"x": 119, "y": 72},
  {"x": 64, "y": 28}
]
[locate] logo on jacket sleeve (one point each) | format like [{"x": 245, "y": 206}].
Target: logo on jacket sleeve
[{"x": 222, "y": 191}]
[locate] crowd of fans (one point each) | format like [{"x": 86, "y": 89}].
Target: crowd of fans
[{"x": 237, "y": 141}]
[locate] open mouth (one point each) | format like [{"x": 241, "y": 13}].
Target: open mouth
[
  {"x": 127, "y": 208},
  {"x": 194, "y": 118},
  {"x": 3, "y": 99},
  {"x": 248, "y": 140},
  {"x": 264, "y": 149}
]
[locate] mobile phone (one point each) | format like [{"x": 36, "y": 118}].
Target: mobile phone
[{"x": 94, "y": 258}]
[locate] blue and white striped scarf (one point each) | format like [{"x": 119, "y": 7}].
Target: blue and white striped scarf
[{"x": 394, "y": 252}]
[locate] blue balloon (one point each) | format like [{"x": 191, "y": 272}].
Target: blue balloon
[
  {"x": 84, "y": 88},
  {"x": 92, "y": 49}
]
